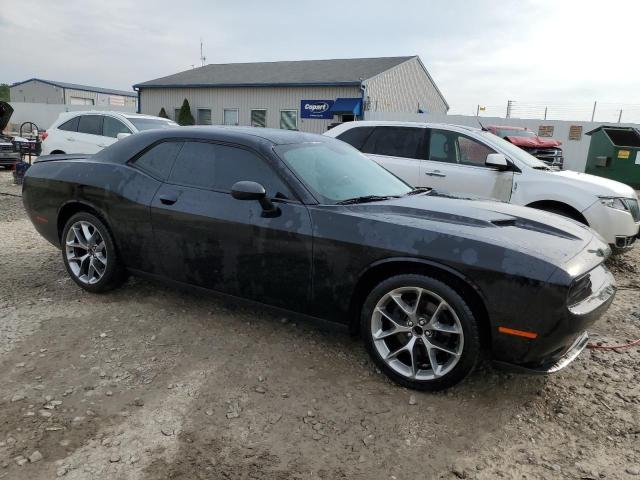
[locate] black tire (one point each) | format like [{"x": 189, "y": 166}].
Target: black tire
[
  {"x": 468, "y": 346},
  {"x": 113, "y": 274}
]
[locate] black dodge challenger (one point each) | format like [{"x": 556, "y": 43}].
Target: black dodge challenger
[{"x": 308, "y": 224}]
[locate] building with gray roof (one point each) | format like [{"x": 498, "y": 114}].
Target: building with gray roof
[{"x": 306, "y": 95}]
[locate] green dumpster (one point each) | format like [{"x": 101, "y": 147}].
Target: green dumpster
[{"x": 614, "y": 152}]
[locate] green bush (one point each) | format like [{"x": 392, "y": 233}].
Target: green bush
[
  {"x": 163, "y": 113},
  {"x": 185, "y": 117}
]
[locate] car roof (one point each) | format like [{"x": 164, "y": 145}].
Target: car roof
[{"x": 395, "y": 123}]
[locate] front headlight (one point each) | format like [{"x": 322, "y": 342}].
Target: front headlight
[{"x": 614, "y": 202}]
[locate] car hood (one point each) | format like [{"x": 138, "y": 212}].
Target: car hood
[
  {"x": 5, "y": 115},
  {"x": 534, "y": 142},
  {"x": 543, "y": 235},
  {"x": 599, "y": 186}
]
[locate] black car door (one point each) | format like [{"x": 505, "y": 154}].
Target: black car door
[{"x": 205, "y": 237}]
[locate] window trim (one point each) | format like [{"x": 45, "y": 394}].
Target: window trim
[
  {"x": 210, "y": 116},
  {"x": 237, "y": 110},
  {"x": 286, "y": 183},
  {"x": 297, "y": 118},
  {"x": 266, "y": 116}
]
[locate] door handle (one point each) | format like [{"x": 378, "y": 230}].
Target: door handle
[
  {"x": 71, "y": 139},
  {"x": 435, "y": 173},
  {"x": 168, "y": 199},
  {"x": 101, "y": 145}
]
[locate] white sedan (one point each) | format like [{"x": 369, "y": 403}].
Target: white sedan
[
  {"x": 469, "y": 161},
  {"x": 90, "y": 132}
]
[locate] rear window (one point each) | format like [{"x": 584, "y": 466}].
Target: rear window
[
  {"x": 91, "y": 124},
  {"x": 158, "y": 161},
  {"x": 70, "y": 125},
  {"x": 396, "y": 142},
  {"x": 356, "y": 136}
]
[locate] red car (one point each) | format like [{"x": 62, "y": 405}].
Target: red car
[{"x": 545, "y": 149}]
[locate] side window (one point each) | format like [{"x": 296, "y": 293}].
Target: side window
[
  {"x": 218, "y": 167},
  {"x": 451, "y": 147},
  {"x": 70, "y": 125},
  {"x": 91, "y": 124},
  {"x": 442, "y": 146},
  {"x": 472, "y": 152},
  {"x": 396, "y": 142},
  {"x": 158, "y": 161},
  {"x": 111, "y": 127},
  {"x": 356, "y": 136}
]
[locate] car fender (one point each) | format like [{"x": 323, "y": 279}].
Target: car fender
[{"x": 529, "y": 189}]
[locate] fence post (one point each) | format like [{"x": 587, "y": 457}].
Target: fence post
[{"x": 593, "y": 114}]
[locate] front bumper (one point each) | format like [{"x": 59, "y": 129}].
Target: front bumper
[
  {"x": 550, "y": 366},
  {"x": 9, "y": 158},
  {"x": 559, "y": 328},
  {"x": 617, "y": 227}
]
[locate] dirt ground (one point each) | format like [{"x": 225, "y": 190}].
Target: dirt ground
[{"x": 152, "y": 383}]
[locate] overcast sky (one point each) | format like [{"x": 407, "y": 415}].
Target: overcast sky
[{"x": 478, "y": 52}]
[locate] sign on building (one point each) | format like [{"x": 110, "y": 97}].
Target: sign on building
[
  {"x": 545, "y": 131},
  {"x": 575, "y": 132},
  {"x": 116, "y": 100},
  {"x": 319, "y": 109}
]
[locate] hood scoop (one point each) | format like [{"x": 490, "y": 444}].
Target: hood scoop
[{"x": 533, "y": 226}]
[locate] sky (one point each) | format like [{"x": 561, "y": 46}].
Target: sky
[{"x": 479, "y": 52}]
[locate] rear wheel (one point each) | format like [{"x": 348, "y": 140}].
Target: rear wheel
[
  {"x": 420, "y": 332},
  {"x": 89, "y": 254}
]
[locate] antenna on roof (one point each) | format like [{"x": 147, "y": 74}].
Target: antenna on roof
[{"x": 203, "y": 59}]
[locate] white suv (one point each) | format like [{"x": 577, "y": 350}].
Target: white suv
[
  {"x": 469, "y": 161},
  {"x": 90, "y": 132}
]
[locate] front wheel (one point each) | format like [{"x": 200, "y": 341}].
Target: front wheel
[
  {"x": 90, "y": 255},
  {"x": 420, "y": 332}
]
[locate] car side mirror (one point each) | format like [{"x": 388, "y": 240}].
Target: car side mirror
[
  {"x": 120, "y": 136},
  {"x": 247, "y": 190},
  {"x": 497, "y": 161}
]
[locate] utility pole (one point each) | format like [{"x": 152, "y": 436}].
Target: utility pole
[
  {"x": 203, "y": 59},
  {"x": 478, "y": 111},
  {"x": 620, "y": 116},
  {"x": 545, "y": 112},
  {"x": 593, "y": 114},
  {"x": 509, "y": 104}
]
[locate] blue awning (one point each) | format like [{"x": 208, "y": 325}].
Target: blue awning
[{"x": 347, "y": 105}]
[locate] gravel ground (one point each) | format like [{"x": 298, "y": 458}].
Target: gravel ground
[{"x": 151, "y": 383}]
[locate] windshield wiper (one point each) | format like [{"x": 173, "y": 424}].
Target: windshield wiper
[
  {"x": 419, "y": 190},
  {"x": 365, "y": 199}
]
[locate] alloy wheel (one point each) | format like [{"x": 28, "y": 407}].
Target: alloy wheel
[
  {"x": 86, "y": 252},
  {"x": 417, "y": 333}
]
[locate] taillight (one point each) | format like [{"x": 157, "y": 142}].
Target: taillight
[{"x": 44, "y": 135}]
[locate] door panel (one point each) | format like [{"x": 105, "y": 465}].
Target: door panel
[
  {"x": 456, "y": 165},
  {"x": 212, "y": 240},
  {"x": 408, "y": 169}
]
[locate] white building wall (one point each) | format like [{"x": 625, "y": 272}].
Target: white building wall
[
  {"x": 575, "y": 151},
  {"x": 272, "y": 99},
  {"x": 404, "y": 88},
  {"x": 36, "y": 92}
]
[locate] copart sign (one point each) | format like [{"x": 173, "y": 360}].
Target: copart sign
[{"x": 316, "y": 109}]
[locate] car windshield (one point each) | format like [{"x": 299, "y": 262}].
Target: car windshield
[
  {"x": 514, "y": 151},
  {"x": 151, "y": 123},
  {"x": 335, "y": 172},
  {"x": 512, "y": 132}
]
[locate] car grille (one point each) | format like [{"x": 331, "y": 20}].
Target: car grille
[
  {"x": 6, "y": 147},
  {"x": 551, "y": 156},
  {"x": 632, "y": 203}
]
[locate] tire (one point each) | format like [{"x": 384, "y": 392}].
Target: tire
[
  {"x": 397, "y": 333},
  {"x": 564, "y": 213},
  {"x": 89, "y": 254}
]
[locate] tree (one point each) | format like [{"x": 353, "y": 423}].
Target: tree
[
  {"x": 163, "y": 113},
  {"x": 4, "y": 92},
  {"x": 185, "y": 117}
]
